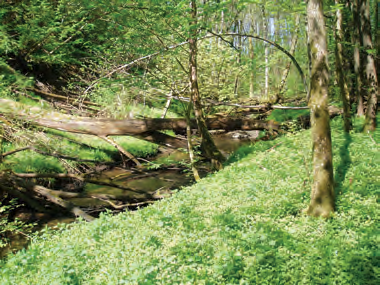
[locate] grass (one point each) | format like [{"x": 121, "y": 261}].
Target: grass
[
  {"x": 73, "y": 145},
  {"x": 78, "y": 146},
  {"x": 240, "y": 226}
]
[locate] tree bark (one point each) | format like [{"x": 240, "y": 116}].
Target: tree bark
[
  {"x": 207, "y": 143},
  {"x": 292, "y": 50},
  {"x": 369, "y": 68},
  {"x": 322, "y": 194},
  {"x": 339, "y": 66},
  {"x": 356, "y": 38},
  {"x": 377, "y": 41},
  {"x": 266, "y": 53},
  {"x": 129, "y": 127},
  {"x": 238, "y": 61},
  {"x": 251, "y": 71}
]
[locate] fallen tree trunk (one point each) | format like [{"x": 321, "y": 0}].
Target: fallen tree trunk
[
  {"x": 16, "y": 187},
  {"x": 131, "y": 127}
]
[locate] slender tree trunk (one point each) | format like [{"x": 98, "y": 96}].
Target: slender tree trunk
[
  {"x": 377, "y": 41},
  {"x": 207, "y": 143},
  {"x": 251, "y": 71},
  {"x": 190, "y": 146},
  {"x": 1, "y": 142},
  {"x": 266, "y": 52},
  {"x": 251, "y": 51},
  {"x": 369, "y": 67},
  {"x": 292, "y": 50},
  {"x": 322, "y": 194},
  {"x": 308, "y": 53},
  {"x": 339, "y": 66},
  {"x": 356, "y": 38},
  {"x": 237, "y": 83},
  {"x": 167, "y": 105}
]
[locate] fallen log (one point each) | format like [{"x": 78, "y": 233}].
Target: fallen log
[
  {"x": 50, "y": 196},
  {"x": 111, "y": 127},
  {"x": 163, "y": 139},
  {"x": 16, "y": 187}
]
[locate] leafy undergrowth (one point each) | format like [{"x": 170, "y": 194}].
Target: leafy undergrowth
[
  {"x": 240, "y": 226},
  {"x": 75, "y": 146},
  {"x": 67, "y": 144},
  {"x": 287, "y": 115}
]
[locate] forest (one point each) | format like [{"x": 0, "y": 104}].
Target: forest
[{"x": 189, "y": 142}]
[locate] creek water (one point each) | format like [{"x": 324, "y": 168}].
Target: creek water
[{"x": 146, "y": 185}]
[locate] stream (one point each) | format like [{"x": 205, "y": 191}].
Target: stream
[{"x": 153, "y": 185}]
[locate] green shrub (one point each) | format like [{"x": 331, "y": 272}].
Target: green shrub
[
  {"x": 280, "y": 115},
  {"x": 10, "y": 227}
]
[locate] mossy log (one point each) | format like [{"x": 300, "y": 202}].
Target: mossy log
[{"x": 131, "y": 127}]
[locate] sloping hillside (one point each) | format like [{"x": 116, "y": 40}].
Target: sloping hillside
[{"x": 242, "y": 225}]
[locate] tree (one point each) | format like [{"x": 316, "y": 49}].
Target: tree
[
  {"x": 369, "y": 67},
  {"x": 358, "y": 60},
  {"x": 322, "y": 193},
  {"x": 339, "y": 65},
  {"x": 207, "y": 144}
]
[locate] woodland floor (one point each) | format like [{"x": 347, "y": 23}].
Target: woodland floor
[{"x": 242, "y": 225}]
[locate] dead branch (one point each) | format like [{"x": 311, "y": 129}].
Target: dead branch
[
  {"x": 121, "y": 150},
  {"x": 120, "y": 207},
  {"x": 72, "y": 176},
  {"x": 50, "y": 196},
  {"x": 54, "y": 154},
  {"x": 63, "y": 98}
]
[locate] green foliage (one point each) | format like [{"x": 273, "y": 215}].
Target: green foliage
[
  {"x": 241, "y": 225},
  {"x": 280, "y": 116},
  {"x": 10, "y": 227},
  {"x": 77, "y": 146}
]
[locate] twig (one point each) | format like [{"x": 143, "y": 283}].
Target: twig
[
  {"x": 51, "y": 154},
  {"x": 372, "y": 138},
  {"x": 118, "y": 207},
  {"x": 273, "y": 147},
  {"x": 66, "y": 176},
  {"x": 121, "y": 150},
  {"x": 63, "y": 98}
]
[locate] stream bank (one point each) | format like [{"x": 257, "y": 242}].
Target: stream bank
[{"x": 140, "y": 187}]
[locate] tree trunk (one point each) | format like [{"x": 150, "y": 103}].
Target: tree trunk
[
  {"x": 339, "y": 66},
  {"x": 369, "y": 68},
  {"x": 292, "y": 50},
  {"x": 127, "y": 127},
  {"x": 167, "y": 105},
  {"x": 266, "y": 54},
  {"x": 322, "y": 194},
  {"x": 356, "y": 38},
  {"x": 238, "y": 61},
  {"x": 251, "y": 71},
  {"x": 207, "y": 143},
  {"x": 377, "y": 41},
  {"x": 308, "y": 53},
  {"x": 190, "y": 146}
]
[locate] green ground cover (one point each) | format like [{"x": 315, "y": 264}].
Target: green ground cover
[
  {"x": 241, "y": 225},
  {"x": 72, "y": 145}
]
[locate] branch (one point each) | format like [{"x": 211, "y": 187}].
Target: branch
[
  {"x": 121, "y": 150},
  {"x": 50, "y": 195},
  {"x": 72, "y": 176},
  {"x": 52, "y": 154},
  {"x": 119, "y": 207},
  {"x": 231, "y": 44},
  {"x": 132, "y": 63},
  {"x": 276, "y": 46},
  {"x": 62, "y": 98}
]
